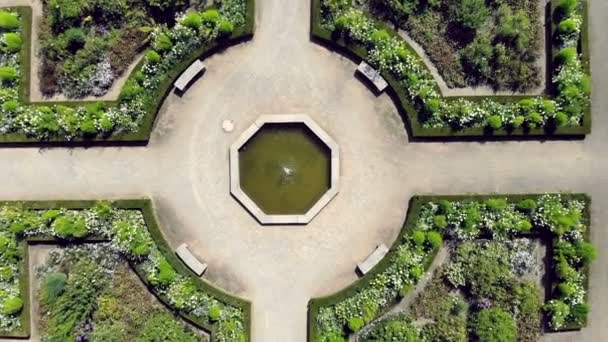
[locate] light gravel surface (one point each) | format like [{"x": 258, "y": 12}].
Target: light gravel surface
[{"x": 184, "y": 170}]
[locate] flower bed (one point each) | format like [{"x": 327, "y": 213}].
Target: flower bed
[
  {"x": 131, "y": 229},
  {"x": 131, "y": 117},
  {"x": 563, "y": 219},
  {"x": 566, "y": 112}
]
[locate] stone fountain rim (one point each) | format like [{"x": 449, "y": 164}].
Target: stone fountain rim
[{"x": 249, "y": 204}]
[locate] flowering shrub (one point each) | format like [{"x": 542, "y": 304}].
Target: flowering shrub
[
  {"x": 128, "y": 236},
  {"x": 172, "y": 45},
  {"x": 390, "y": 54},
  {"x": 483, "y": 269}
]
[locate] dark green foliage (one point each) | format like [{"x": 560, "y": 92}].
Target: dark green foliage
[
  {"x": 78, "y": 300},
  {"x": 469, "y": 13},
  {"x": 65, "y": 13},
  {"x": 476, "y": 57},
  {"x": 514, "y": 28},
  {"x": 75, "y": 38},
  {"x": 162, "y": 327},
  {"x": 211, "y": 17},
  {"x": 394, "y": 329},
  {"x": 52, "y": 287},
  {"x": 486, "y": 268},
  {"x": 566, "y": 7},
  {"x": 529, "y": 306},
  {"x": 494, "y": 325}
]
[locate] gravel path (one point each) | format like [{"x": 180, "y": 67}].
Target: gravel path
[{"x": 184, "y": 170}]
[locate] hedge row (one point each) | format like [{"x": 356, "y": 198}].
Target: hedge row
[
  {"x": 142, "y": 133},
  {"x": 411, "y": 109},
  {"x": 147, "y": 211}
]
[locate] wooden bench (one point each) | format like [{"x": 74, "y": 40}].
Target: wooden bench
[
  {"x": 190, "y": 260},
  {"x": 372, "y": 75},
  {"x": 189, "y": 74},
  {"x": 373, "y": 259}
]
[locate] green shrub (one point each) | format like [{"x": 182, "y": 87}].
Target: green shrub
[
  {"x": 518, "y": 121},
  {"x": 567, "y": 6},
  {"x": 567, "y": 55},
  {"x": 495, "y": 121},
  {"x": 68, "y": 227},
  {"x": 331, "y": 336},
  {"x": 10, "y": 106},
  {"x": 394, "y": 329},
  {"x": 13, "y": 41},
  {"x": 152, "y": 57},
  {"x": 380, "y": 37},
  {"x": 440, "y": 221},
  {"x": 434, "y": 239},
  {"x": 579, "y": 312},
  {"x": 12, "y": 305},
  {"x": 561, "y": 119},
  {"x": 103, "y": 209},
  {"x": 211, "y": 17},
  {"x": 494, "y": 325},
  {"x": 527, "y": 205},
  {"x": 166, "y": 273},
  {"x": 6, "y": 273},
  {"x": 355, "y": 324},
  {"x": 66, "y": 13},
  {"x": 496, "y": 204},
  {"x": 567, "y": 26},
  {"x": 586, "y": 252},
  {"x": 192, "y": 20},
  {"x": 75, "y": 38},
  {"x": 52, "y": 287},
  {"x": 225, "y": 27},
  {"x": 418, "y": 237},
  {"x": 557, "y": 312},
  {"x": 214, "y": 314},
  {"x": 469, "y": 13},
  {"x": 162, "y": 43},
  {"x": 8, "y": 20},
  {"x": 524, "y": 226},
  {"x": 8, "y": 74}
]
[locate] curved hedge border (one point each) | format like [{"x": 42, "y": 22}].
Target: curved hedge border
[
  {"x": 145, "y": 206},
  {"x": 142, "y": 134},
  {"x": 358, "y": 52},
  {"x": 413, "y": 213}
]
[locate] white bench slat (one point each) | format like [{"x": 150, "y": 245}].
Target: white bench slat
[
  {"x": 189, "y": 74},
  {"x": 372, "y": 75},
  {"x": 190, "y": 260},
  {"x": 373, "y": 259}
]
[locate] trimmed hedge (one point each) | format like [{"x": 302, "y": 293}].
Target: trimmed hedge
[
  {"x": 413, "y": 213},
  {"x": 145, "y": 206},
  {"x": 142, "y": 135},
  {"x": 358, "y": 52}
]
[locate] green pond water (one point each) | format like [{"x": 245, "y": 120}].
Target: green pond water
[{"x": 285, "y": 169}]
